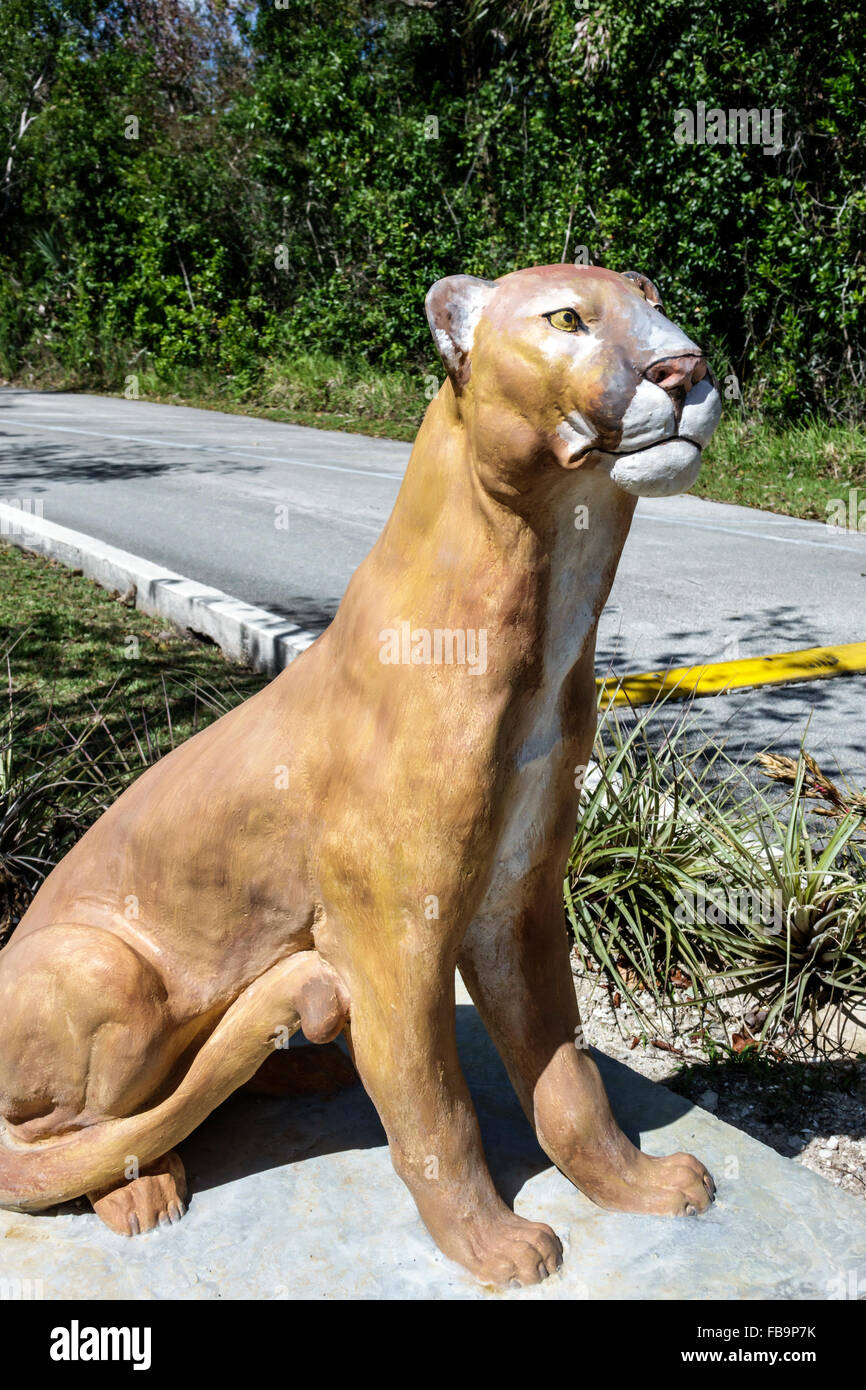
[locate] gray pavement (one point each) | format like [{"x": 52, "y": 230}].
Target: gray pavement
[{"x": 200, "y": 492}]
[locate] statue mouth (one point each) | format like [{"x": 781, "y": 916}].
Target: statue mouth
[
  {"x": 640, "y": 448},
  {"x": 656, "y": 444}
]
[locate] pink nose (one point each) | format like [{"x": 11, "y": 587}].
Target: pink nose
[{"x": 677, "y": 373}]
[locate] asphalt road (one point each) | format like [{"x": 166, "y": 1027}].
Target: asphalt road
[{"x": 202, "y": 493}]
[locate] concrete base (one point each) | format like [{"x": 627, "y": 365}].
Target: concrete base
[{"x": 297, "y": 1199}]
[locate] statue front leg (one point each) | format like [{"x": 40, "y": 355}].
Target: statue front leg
[
  {"x": 403, "y": 1038},
  {"x": 519, "y": 975}
]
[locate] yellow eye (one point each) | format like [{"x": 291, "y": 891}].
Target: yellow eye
[{"x": 566, "y": 320}]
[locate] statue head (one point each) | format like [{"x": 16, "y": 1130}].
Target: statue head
[{"x": 568, "y": 367}]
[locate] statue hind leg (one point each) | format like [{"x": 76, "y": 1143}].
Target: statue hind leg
[
  {"x": 87, "y": 1031},
  {"x": 158, "y": 1194},
  {"x": 88, "y": 1139},
  {"x": 88, "y": 1036}
]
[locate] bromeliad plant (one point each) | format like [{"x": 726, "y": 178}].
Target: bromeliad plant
[
  {"x": 805, "y": 957},
  {"x": 638, "y": 842},
  {"x": 683, "y": 873}
]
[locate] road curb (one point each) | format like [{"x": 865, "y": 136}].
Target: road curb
[{"x": 264, "y": 640}]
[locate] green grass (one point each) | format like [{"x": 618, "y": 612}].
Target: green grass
[
  {"x": 68, "y": 646},
  {"x": 311, "y": 389},
  {"x": 801, "y": 470},
  {"x": 93, "y": 693}
]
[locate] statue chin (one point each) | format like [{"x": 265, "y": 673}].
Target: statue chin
[{"x": 660, "y": 471}]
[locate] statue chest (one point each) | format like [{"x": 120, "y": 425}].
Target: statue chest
[{"x": 558, "y": 718}]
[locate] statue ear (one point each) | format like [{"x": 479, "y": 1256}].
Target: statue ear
[
  {"x": 453, "y": 308},
  {"x": 648, "y": 289}
]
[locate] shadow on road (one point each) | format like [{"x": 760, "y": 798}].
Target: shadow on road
[{"x": 28, "y": 466}]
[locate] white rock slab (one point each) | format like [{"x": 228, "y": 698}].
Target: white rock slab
[{"x": 297, "y": 1199}]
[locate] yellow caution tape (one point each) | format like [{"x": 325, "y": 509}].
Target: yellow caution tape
[{"x": 685, "y": 682}]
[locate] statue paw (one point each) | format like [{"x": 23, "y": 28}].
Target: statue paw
[
  {"x": 157, "y": 1197},
  {"x": 514, "y": 1252},
  {"x": 678, "y": 1185}
]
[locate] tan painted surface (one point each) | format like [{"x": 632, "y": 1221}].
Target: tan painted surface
[{"x": 327, "y": 853}]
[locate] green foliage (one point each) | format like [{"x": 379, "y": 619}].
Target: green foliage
[
  {"x": 808, "y": 468},
  {"x": 51, "y": 788},
  {"x": 680, "y": 867},
  {"x": 287, "y": 192}
]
